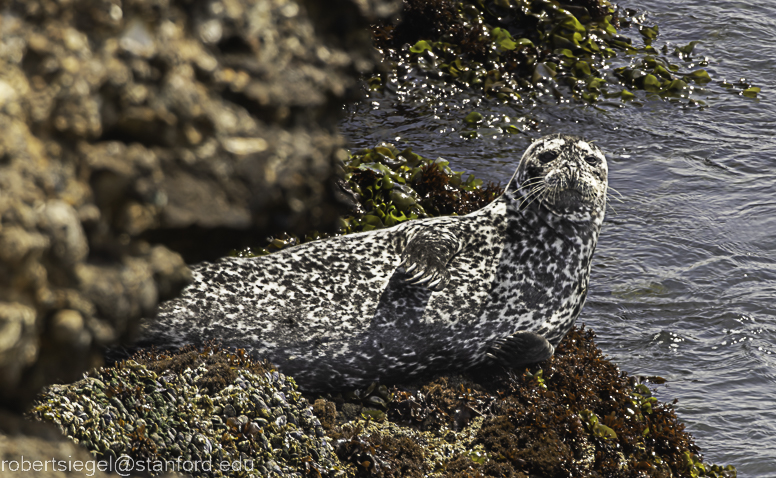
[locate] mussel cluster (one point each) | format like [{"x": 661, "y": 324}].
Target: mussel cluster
[{"x": 259, "y": 420}]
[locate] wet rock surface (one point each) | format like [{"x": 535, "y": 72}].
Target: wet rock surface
[{"x": 143, "y": 134}]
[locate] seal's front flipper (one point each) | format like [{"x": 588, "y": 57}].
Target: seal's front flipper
[
  {"x": 425, "y": 257},
  {"x": 521, "y": 348}
]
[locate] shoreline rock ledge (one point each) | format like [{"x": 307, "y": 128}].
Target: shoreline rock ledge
[{"x": 142, "y": 135}]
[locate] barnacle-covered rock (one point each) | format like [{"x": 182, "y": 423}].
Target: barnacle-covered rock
[
  {"x": 160, "y": 407},
  {"x": 28, "y": 448}
]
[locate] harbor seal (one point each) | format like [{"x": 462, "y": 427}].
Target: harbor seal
[{"x": 501, "y": 285}]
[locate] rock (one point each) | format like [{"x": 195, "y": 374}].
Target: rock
[
  {"x": 18, "y": 348},
  {"x": 67, "y": 327},
  {"x": 351, "y": 411},
  {"x": 169, "y": 270},
  {"x": 138, "y": 136},
  {"x": 62, "y": 225},
  {"x": 183, "y": 415}
]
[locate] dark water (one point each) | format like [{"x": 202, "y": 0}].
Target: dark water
[{"x": 684, "y": 279}]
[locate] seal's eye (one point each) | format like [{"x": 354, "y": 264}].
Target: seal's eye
[
  {"x": 548, "y": 156},
  {"x": 592, "y": 160}
]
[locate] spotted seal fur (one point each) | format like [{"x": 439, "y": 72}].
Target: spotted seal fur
[{"x": 501, "y": 285}]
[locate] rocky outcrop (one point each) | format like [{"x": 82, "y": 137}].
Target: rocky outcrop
[{"x": 144, "y": 134}]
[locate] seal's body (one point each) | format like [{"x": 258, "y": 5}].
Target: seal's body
[{"x": 502, "y": 284}]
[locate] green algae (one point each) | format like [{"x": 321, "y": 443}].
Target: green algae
[{"x": 517, "y": 50}]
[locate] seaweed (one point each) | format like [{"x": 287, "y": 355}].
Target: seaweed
[
  {"x": 380, "y": 455},
  {"x": 220, "y": 363},
  {"x": 574, "y": 415},
  {"x": 515, "y": 50}
]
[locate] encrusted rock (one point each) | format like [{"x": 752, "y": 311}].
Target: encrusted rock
[
  {"x": 26, "y": 446},
  {"x": 67, "y": 327},
  {"x": 127, "y": 419},
  {"x": 18, "y": 348}
]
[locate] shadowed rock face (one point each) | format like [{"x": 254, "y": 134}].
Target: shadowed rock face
[{"x": 136, "y": 136}]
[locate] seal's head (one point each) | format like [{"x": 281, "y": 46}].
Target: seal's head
[{"x": 564, "y": 174}]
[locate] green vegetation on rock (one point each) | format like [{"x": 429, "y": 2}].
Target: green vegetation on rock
[{"x": 524, "y": 49}]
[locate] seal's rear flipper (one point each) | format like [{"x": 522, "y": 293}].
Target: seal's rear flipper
[{"x": 521, "y": 348}]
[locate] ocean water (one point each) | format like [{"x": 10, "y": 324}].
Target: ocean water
[{"x": 684, "y": 278}]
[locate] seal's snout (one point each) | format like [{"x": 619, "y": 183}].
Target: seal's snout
[
  {"x": 559, "y": 179},
  {"x": 564, "y": 177}
]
